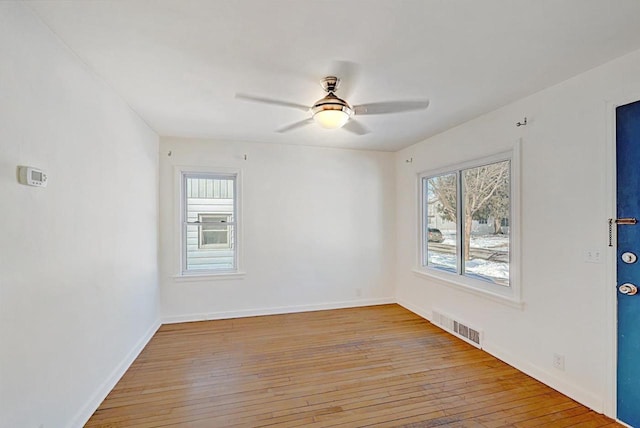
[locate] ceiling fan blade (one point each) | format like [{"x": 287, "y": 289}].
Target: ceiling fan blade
[
  {"x": 355, "y": 127},
  {"x": 295, "y": 125},
  {"x": 348, "y": 73},
  {"x": 390, "y": 107},
  {"x": 272, "y": 101}
]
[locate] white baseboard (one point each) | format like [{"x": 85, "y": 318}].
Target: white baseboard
[
  {"x": 276, "y": 310},
  {"x": 563, "y": 386},
  {"x": 415, "y": 309},
  {"x": 96, "y": 399},
  {"x": 567, "y": 388}
]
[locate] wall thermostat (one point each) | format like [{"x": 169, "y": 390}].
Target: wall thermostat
[{"x": 32, "y": 176}]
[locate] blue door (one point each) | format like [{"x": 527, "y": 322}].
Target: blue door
[{"x": 628, "y": 268}]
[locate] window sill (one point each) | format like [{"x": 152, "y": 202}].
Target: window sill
[
  {"x": 458, "y": 285},
  {"x": 197, "y": 277}
]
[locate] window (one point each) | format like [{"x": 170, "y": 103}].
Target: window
[
  {"x": 214, "y": 232},
  {"x": 209, "y": 223},
  {"x": 466, "y": 212},
  {"x": 441, "y": 199}
]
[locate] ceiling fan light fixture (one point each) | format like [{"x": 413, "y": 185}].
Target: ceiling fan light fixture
[{"x": 331, "y": 112}]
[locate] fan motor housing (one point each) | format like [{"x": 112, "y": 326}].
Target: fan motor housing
[{"x": 330, "y": 84}]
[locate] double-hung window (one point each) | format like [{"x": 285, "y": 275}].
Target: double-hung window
[
  {"x": 465, "y": 216},
  {"x": 209, "y": 223}
]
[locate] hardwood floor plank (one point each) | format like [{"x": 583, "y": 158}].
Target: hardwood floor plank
[{"x": 379, "y": 366}]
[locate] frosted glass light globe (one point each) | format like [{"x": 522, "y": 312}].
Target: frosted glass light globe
[{"x": 331, "y": 119}]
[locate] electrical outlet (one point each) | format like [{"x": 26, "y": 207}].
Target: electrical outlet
[
  {"x": 592, "y": 255},
  {"x": 558, "y": 361}
]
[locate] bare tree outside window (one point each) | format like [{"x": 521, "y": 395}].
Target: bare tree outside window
[
  {"x": 441, "y": 200},
  {"x": 483, "y": 193}
]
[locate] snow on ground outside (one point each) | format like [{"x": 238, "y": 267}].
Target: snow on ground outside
[
  {"x": 479, "y": 241},
  {"x": 498, "y": 271}
]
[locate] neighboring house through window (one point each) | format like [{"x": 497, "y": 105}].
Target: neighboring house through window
[{"x": 209, "y": 222}]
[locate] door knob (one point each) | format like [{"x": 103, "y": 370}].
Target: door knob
[{"x": 628, "y": 289}]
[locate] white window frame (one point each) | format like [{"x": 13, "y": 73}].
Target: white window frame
[
  {"x": 511, "y": 295},
  {"x": 180, "y": 172}
]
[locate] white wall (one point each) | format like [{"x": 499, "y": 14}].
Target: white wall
[
  {"x": 566, "y": 200},
  {"x": 317, "y": 225},
  {"x": 78, "y": 259},
  {"x": 321, "y": 228}
]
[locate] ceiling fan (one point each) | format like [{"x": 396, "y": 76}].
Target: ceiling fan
[{"x": 333, "y": 112}]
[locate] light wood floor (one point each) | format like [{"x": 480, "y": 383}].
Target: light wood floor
[{"x": 377, "y": 366}]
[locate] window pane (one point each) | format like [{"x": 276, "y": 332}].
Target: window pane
[
  {"x": 487, "y": 207},
  {"x": 212, "y": 256},
  {"x": 209, "y": 229},
  {"x": 440, "y": 211}
]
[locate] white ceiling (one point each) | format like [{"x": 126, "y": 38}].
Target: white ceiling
[{"x": 179, "y": 63}]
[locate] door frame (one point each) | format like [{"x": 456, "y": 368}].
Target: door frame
[{"x": 611, "y": 300}]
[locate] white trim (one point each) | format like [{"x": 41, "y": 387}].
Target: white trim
[
  {"x": 195, "y": 277},
  {"x": 611, "y": 309},
  {"x": 276, "y": 310},
  {"x": 472, "y": 163},
  {"x": 511, "y": 295},
  {"x": 422, "y": 312},
  {"x": 103, "y": 390}
]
